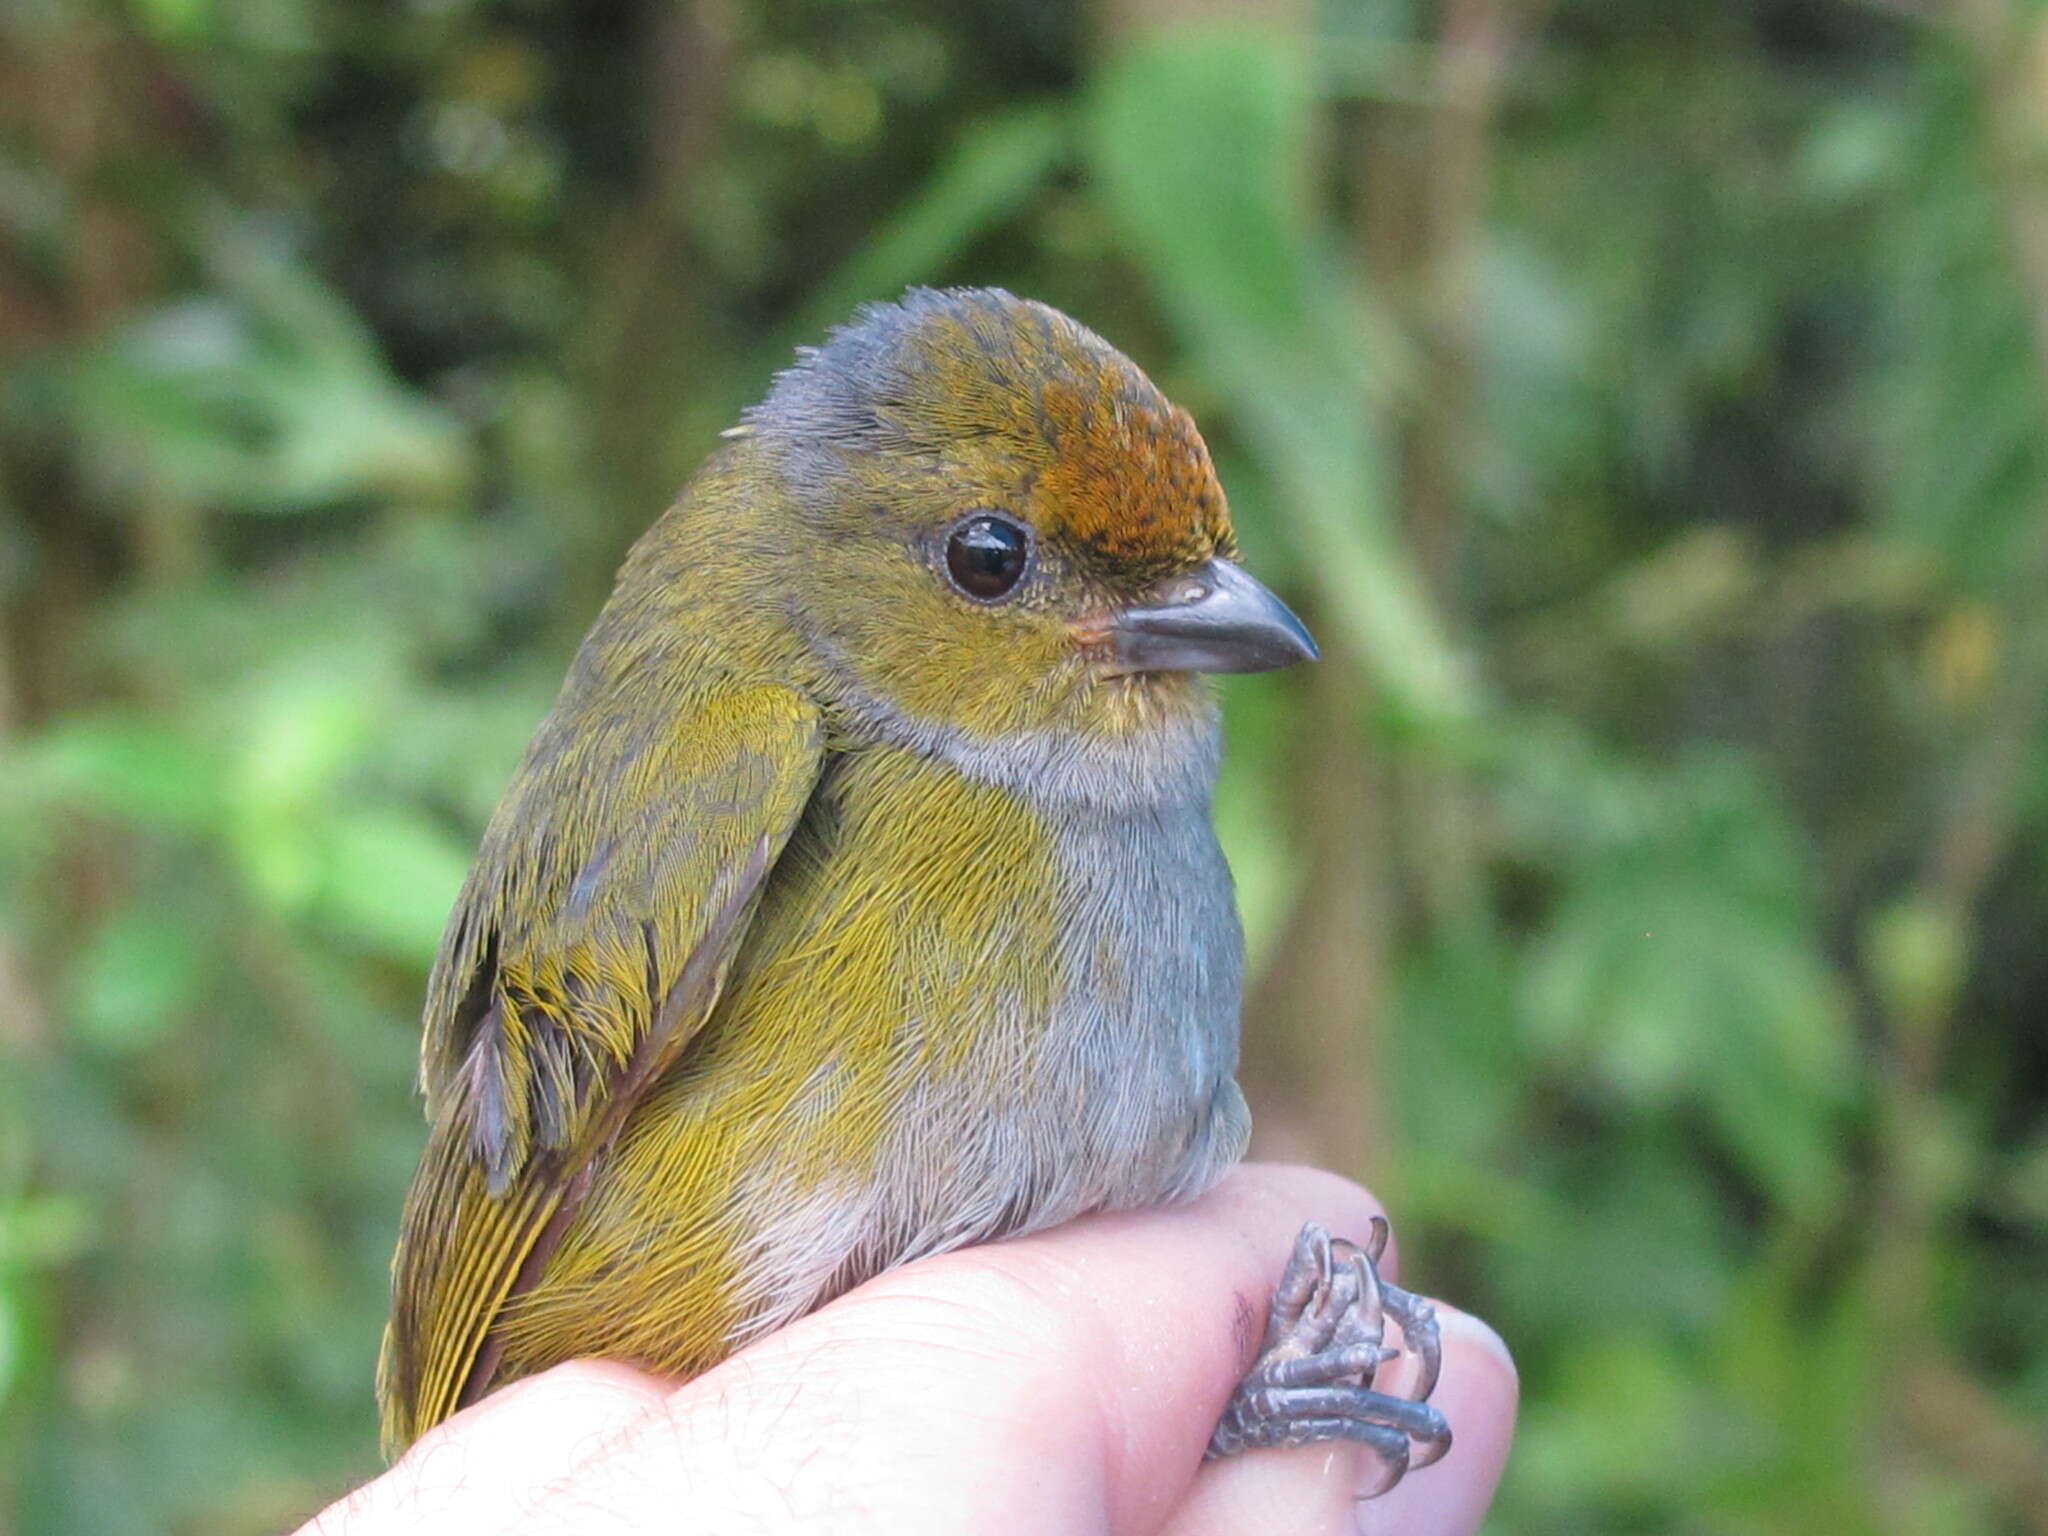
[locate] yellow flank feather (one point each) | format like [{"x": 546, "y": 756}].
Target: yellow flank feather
[{"x": 871, "y": 968}]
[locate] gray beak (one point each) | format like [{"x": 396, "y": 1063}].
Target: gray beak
[{"x": 1213, "y": 619}]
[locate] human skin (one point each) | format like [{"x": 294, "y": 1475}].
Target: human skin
[{"x": 1060, "y": 1383}]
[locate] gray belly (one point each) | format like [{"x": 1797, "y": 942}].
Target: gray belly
[{"x": 1145, "y": 1037}]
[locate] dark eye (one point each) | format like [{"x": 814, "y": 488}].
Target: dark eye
[{"x": 986, "y": 555}]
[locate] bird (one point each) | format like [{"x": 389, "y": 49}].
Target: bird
[{"x": 858, "y": 898}]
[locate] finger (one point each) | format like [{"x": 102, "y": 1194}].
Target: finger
[
  {"x": 482, "y": 1468},
  {"x": 1479, "y": 1394},
  {"x": 1036, "y": 1385},
  {"x": 1314, "y": 1489}
]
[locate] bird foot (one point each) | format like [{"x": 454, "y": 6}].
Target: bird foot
[{"x": 1325, "y": 1340}]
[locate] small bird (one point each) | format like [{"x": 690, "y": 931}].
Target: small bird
[{"x": 859, "y": 899}]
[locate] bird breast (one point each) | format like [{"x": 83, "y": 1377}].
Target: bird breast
[
  {"x": 957, "y": 1014},
  {"x": 1088, "y": 1065}
]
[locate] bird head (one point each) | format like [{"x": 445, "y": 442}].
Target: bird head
[{"x": 1004, "y": 528}]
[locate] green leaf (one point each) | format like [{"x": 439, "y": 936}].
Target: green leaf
[
  {"x": 1681, "y": 962},
  {"x": 124, "y": 765},
  {"x": 988, "y": 176},
  {"x": 1258, "y": 725},
  {"x": 1919, "y": 960},
  {"x": 302, "y": 731},
  {"x": 13, "y": 1333},
  {"x": 391, "y": 878},
  {"x": 141, "y": 971},
  {"x": 266, "y": 395},
  {"x": 182, "y": 21}
]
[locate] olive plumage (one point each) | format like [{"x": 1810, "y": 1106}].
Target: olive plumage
[{"x": 858, "y": 898}]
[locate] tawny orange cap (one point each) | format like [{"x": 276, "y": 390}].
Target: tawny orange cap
[{"x": 1110, "y": 467}]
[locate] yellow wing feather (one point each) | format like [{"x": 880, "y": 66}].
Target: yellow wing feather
[{"x": 587, "y": 947}]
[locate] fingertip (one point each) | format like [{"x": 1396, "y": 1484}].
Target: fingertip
[
  {"x": 1203, "y": 1297},
  {"x": 1309, "y": 1490},
  {"x": 1315, "y": 1489},
  {"x": 1475, "y": 1339},
  {"x": 1479, "y": 1393}
]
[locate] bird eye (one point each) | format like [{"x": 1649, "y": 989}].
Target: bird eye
[{"x": 986, "y": 556}]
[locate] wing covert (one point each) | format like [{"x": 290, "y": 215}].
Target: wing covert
[{"x": 588, "y": 945}]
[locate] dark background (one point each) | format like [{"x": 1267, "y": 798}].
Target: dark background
[{"x": 1643, "y": 401}]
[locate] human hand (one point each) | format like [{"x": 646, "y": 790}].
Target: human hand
[{"x": 1056, "y": 1383}]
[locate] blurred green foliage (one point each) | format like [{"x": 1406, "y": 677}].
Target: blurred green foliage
[{"x": 1649, "y": 403}]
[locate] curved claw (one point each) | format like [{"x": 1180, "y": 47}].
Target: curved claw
[
  {"x": 1364, "y": 1321},
  {"x": 1325, "y": 1341},
  {"x": 1429, "y": 1452},
  {"x": 1421, "y": 1333},
  {"x": 1377, "y": 1240},
  {"x": 1395, "y": 1458}
]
